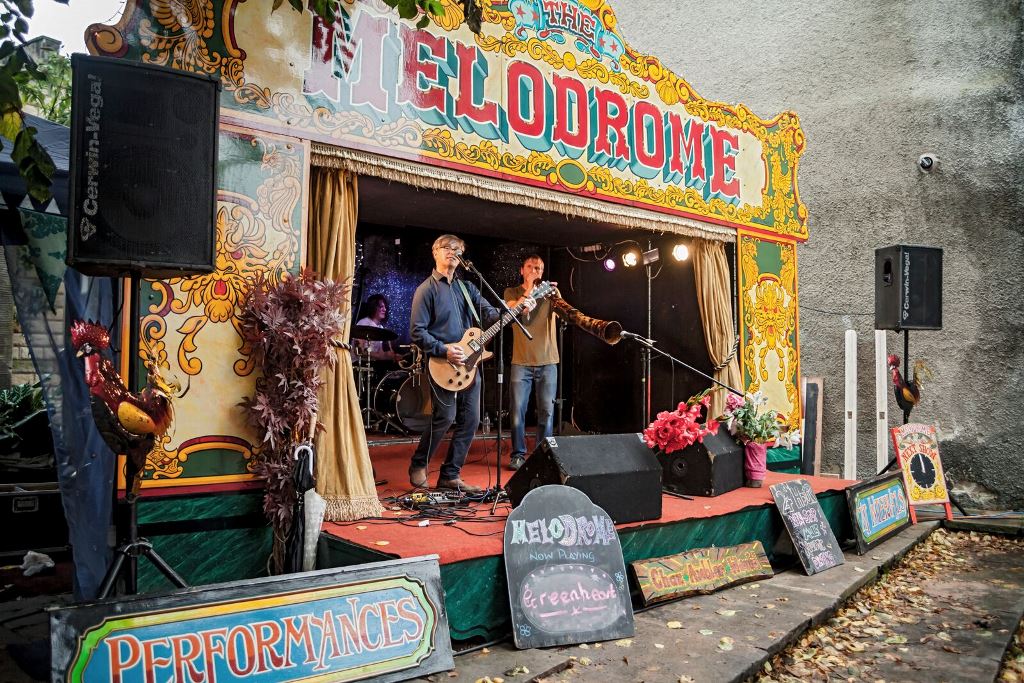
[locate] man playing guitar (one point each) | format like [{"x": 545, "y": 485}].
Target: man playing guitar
[{"x": 443, "y": 309}]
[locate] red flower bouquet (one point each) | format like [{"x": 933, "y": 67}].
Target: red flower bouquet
[{"x": 677, "y": 429}]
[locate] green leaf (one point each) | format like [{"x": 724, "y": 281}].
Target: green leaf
[
  {"x": 407, "y": 9},
  {"x": 424, "y": 20},
  {"x": 276, "y": 5},
  {"x": 10, "y": 124}
]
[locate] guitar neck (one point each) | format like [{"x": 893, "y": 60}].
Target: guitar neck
[{"x": 505, "y": 317}]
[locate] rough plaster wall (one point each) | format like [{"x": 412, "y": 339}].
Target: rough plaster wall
[{"x": 876, "y": 84}]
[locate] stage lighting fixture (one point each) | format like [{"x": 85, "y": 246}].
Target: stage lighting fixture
[
  {"x": 651, "y": 256},
  {"x": 631, "y": 258},
  {"x": 681, "y": 252},
  {"x": 609, "y": 264}
]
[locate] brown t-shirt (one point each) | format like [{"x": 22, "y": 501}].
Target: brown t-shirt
[{"x": 543, "y": 349}]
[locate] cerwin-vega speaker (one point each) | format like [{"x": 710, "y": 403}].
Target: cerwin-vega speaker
[
  {"x": 143, "y": 169},
  {"x": 908, "y": 288},
  {"x": 708, "y": 468},
  {"x": 617, "y": 471}
]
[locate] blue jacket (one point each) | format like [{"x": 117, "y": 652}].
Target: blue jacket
[{"x": 440, "y": 313}]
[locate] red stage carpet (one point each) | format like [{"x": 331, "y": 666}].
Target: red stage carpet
[{"x": 401, "y": 537}]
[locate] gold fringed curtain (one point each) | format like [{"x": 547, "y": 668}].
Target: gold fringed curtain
[
  {"x": 344, "y": 475},
  {"x": 714, "y": 295}
]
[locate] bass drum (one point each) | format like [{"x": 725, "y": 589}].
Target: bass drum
[{"x": 404, "y": 397}]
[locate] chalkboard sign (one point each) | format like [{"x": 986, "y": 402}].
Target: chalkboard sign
[
  {"x": 805, "y": 521},
  {"x": 566, "y": 576},
  {"x": 879, "y": 510}
]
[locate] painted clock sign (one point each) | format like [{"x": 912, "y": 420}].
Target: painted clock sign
[{"x": 917, "y": 451}]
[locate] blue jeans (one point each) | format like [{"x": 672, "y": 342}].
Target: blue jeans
[
  {"x": 524, "y": 378},
  {"x": 462, "y": 409}
]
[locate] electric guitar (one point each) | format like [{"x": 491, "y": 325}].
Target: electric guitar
[{"x": 448, "y": 375}]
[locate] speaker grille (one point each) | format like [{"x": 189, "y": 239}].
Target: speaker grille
[{"x": 143, "y": 169}]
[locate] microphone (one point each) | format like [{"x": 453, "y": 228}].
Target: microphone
[
  {"x": 629, "y": 335},
  {"x": 468, "y": 265}
]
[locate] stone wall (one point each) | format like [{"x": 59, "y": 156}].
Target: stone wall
[{"x": 877, "y": 84}]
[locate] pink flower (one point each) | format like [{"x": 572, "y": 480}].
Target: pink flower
[{"x": 732, "y": 402}]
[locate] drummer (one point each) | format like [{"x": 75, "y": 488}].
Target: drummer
[{"x": 375, "y": 314}]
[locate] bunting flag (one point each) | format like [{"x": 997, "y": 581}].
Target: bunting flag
[{"x": 47, "y": 246}]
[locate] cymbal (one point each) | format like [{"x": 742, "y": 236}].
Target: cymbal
[{"x": 370, "y": 333}]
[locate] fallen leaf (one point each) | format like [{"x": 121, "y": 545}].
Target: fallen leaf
[
  {"x": 674, "y": 624},
  {"x": 758, "y": 615},
  {"x": 857, "y": 569},
  {"x": 659, "y": 646},
  {"x": 584, "y": 646},
  {"x": 625, "y": 642},
  {"x": 382, "y": 543},
  {"x": 585, "y": 661},
  {"x": 895, "y": 640},
  {"x": 725, "y": 643},
  {"x": 361, "y": 527},
  {"x": 705, "y": 632},
  {"x": 517, "y": 671},
  {"x": 942, "y": 635},
  {"x": 485, "y": 651},
  {"x": 726, "y": 612}
]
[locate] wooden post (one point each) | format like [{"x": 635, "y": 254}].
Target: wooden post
[
  {"x": 881, "y": 402},
  {"x": 850, "y": 451}
]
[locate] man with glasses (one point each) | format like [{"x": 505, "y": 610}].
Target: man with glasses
[{"x": 443, "y": 308}]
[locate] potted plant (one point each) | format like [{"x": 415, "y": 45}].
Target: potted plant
[
  {"x": 290, "y": 326},
  {"x": 755, "y": 425}
]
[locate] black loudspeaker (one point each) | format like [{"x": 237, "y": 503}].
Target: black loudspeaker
[
  {"x": 143, "y": 169},
  {"x": 908, "y": 288},
  {"x": 710, "y": 468},
  {"x": 618, "y": 472}
]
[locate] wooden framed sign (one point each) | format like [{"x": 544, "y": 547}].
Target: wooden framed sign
[
  {"x": 566, "y": 576},
  {"x": 917, "y": 452},
  {"x": 879, "y": 510},
  {"x": 700, "y": 571},
  {"x": 384, "y": 621},
  {"x": 805, "y": 521}
]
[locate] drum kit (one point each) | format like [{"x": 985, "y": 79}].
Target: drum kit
[{"x": 391, "y": 399}]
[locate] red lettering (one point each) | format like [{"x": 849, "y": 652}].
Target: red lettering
[
  {"x": 298, "y": 635},
  {"x": 121, "y": 660},
  {"x": 608, "y": 122},
  {"x": 643, "y": 112},
  {"x": 570, "y": 111},
  {"x": 724, "y": 160},
  {"x": 150, "y": 661},
  {"x": 268, "y": 633},
  {"x": 532, "y": 127},
  {"x": 349, "y": 630},
  {"x": 241, "y": 642},
  {"x": 407, "y": 610},
  {"x": 465, "y": 105},
  {"x": 426, "y": 94},
  {"x": 328, "y": 637},
  {"x": 687, "y": 156},
  {"x": 184, "y": 660},
  {"x": 364, "y": 625},
  {"x": 210, "y": 649},
  {"x": 388, "y": 620}
]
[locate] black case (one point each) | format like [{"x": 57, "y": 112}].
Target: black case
[
  {"x": 710, "y": 468},
  {"x": 618, "y": 472}
]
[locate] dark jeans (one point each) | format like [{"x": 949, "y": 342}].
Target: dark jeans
[
  {"x": 524, "y": 378},
  {"x": 462, "y": 409}
]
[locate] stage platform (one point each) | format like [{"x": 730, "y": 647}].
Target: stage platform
[{"x": 470, "y": 550}]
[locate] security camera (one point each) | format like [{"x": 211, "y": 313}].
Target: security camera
[{"x": 927, "y": 162}]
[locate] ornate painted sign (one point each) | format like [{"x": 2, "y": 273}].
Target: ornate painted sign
[
  {"x": 705, "y": 570},
  {"x": 917, "y": 452},
  {"x": 548, "y": 94},
  {"x": 566, "y": 576},
  {"x": 769, "y": 323},
  {"x": 384, "y": 620},
  {"x": 879, "y": 510}
]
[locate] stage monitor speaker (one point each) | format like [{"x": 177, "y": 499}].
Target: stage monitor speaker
[
  {"x": 908, "y": 288},
  {"x": 617, "y": 471},
  {"x": 143, "y": 169},
  {"x": 708, "y": 468}
]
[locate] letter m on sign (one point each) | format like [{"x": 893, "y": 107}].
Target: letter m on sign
[{"x": 334, "y": 48}]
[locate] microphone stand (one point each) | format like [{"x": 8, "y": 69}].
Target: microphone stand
[
  {"x": 649, "y": 345},
  {"x": 504, "y": 315}
]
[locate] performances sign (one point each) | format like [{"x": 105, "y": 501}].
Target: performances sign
[
  {"x": 548, "y": 94},
  {"x": 805, "y": 521},
  {"x": 385, "y": 620},
  {"x": 566, "y": 576},
  {"x": 879, "y": 510},
  {"x": 701, "y": 571}
]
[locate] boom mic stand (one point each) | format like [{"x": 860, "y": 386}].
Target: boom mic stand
[
  {"x": 649, "y": 345},
  {"x": 506, "y": 314}
]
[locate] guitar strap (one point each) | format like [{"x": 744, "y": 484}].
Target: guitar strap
[{"x": 469, "y": 302}]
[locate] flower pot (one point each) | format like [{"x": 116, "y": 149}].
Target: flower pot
[{"x": 755, "y": 461}]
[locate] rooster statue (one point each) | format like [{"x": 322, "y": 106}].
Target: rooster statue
[
  {"x": 908, "y": 393},
  {"x": 129, "y": 422}
]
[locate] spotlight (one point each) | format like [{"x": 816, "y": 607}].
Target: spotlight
[
  {"x": 631, "y": 258},
  {"x": 680, "y": 252},
  {"x": 609, "y": 264},
  {"x": 651, "y": 256}
]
